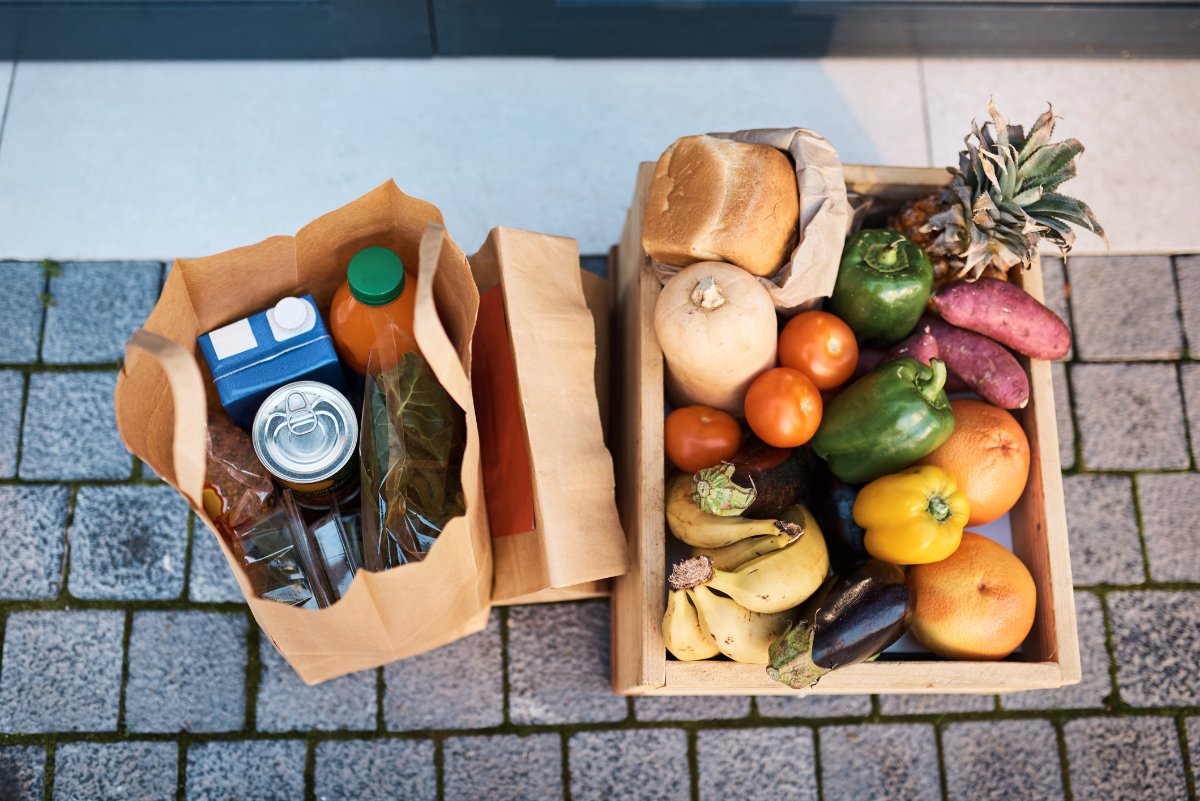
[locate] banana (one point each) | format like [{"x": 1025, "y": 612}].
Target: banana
[
  {"x": 740, "y": 634},
  {"x": 703, "y": 530},
  {"x": 743, "y": 551},
  {"x": 681, "y": 629},
  {"x": 769, "y": 583}
]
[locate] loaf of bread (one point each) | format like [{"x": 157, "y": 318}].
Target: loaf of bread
[{"x": 719, "y": 200}]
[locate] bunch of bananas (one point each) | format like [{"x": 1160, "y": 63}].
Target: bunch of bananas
[{"x": 738, "y": 592}]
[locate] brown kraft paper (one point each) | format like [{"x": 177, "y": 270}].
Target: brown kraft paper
[{"x": 161, "y": 414}]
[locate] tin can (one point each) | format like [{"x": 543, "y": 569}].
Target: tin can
[{"x": 306, "y": 434}]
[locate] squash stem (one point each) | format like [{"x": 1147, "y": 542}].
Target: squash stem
[{"x": 707, "y": 295}]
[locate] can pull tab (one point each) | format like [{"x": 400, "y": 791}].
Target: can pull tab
[{"x": 299, "y": 414}]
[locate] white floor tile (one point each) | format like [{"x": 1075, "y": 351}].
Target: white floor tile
[
  {"x": 155, "y": 160},
  {"x": 1137, "y": 120}
]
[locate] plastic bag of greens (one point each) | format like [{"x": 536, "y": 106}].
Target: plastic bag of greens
[{"x": 413, "y": 436}]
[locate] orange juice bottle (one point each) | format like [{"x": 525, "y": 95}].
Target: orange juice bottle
[{"x": 372, "y": 312}]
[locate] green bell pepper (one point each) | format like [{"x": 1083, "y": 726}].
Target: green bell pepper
[
  {"x": 885, "y": 421},
  {"x": 882, "y": 286}
]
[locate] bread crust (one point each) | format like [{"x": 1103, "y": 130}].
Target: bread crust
[{"x": 720, "y": 200}]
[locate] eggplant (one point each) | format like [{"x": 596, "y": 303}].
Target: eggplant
[
  {"x": 850, "y": 619},
  {"x": 761, "y": 482},
  {"x": 832, "y": 504}
]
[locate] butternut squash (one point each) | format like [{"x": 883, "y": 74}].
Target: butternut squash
[{"x": 717, "y": 328}]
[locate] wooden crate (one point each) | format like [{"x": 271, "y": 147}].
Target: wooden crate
[{"x": 641, "y": 665}]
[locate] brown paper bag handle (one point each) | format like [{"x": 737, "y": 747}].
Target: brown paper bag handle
[
  {"x": 190, "y": 406},
  {"x": 435, "y": 344}
]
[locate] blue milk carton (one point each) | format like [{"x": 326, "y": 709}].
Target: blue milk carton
[{"x": 253, "y": 357}]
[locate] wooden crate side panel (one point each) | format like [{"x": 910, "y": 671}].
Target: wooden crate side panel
[
  {"x": 717, "y": 677},
  {"x": 638, "y": 657},
  {"x": 1039, "y": 519},
  {"x": 1039, "y": 522}
]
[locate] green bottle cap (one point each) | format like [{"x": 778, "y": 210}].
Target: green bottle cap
[{"x": 376, "y": 276}]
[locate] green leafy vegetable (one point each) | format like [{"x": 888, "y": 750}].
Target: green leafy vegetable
[{"x": 412, "y": 448}]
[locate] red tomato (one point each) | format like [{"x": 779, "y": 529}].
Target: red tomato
[
  {"x": 783, "y": 407},
  {"x": 698, "y": 437},
  {"x": 821, "y": 346}
]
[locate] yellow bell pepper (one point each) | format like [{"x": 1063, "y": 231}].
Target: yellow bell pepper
[{"x": 912, "y": 517}]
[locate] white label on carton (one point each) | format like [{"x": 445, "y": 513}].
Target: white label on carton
[
  {"x": 291, "y": 317},
  {"x": 233, "y": 339}
]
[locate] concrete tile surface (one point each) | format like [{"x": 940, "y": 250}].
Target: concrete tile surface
[
  {"x": 201, "y": 656},
  {"x": 629, "y": 765},
  {"x": 245, "y": 769},
  {"x": 92, "y": 771},
  {"x": 1134, "y": 191},
  {"x": 1156, "y": 639},
  {"x": 1170, "y": 504},
  {"x": 70, "y": 430},
  {"x": 33, "y": 523},
  {"x": 1062, "y": 416},
  {"x": 504, "y": 768},
  {"x": 128, "y": 542},
  {"x": 61, "y": 671},
  {"x": 921, "y": 704},
  {"x": 457, "y": 686},
  {"x": 1130, "y": 758},
  {"x": 96, "y": 308},
  {"x": 285, "y": 703},
  {"x": 23, "y": 772},
  {"x": 12, "y": 391},
  {"x": 241, "y": 151},
  {"x": 1103, "y": 527},
  {"x": 739, "y": 764},
  {"x": 210, "y": 579},
  {"x": 1016, "y": 760},
  {"x": 1187, "y": 271},
  {"x": 1127, "y": 307},
  {"x": 891, "y": 760},
  {"x": 21, "y": 310},
  {"x": 683, "y": 707},
  {"x": 1130, "y": 416},
  {"x": 813, "y": 706},
  {"x": 380, "y": 770},
  {"x": 558, "y": 657}
]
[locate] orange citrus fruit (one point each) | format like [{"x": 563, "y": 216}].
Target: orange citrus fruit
[
  {"x": 978, "y": 603},
  {"x": 988, "y": 454}
]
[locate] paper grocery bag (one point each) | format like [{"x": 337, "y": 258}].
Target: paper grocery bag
[
  {"x": 161, "y": 408},
  {"x": 548, "y": 476}
]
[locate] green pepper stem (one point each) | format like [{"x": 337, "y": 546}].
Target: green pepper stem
[
  {"x": 930, "y": 387},
  {"x": 939, "y": 508},
  {"x": 887, "y": 257}
]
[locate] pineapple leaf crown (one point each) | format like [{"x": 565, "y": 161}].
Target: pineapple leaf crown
[{"x": 1002, "y": 201}]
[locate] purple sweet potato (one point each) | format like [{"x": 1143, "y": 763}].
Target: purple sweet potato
[
  {"x": 983, "y": 364},
  {"x": 920, "y": 345},
  {"x": 1006, "y": 313}
]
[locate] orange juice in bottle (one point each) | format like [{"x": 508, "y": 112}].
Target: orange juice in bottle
[{"x": 372, "y": 311}]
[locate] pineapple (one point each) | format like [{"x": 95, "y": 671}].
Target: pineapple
[{"x": 1000, "y": 203}]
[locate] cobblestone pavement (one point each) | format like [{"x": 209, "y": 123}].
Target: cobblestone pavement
[{"x": 130, "y": 668}]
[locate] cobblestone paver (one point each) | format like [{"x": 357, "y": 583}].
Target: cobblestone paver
[
  {"x": 130, "y": 666},
  {"x": 94, "y": 771},
  {"x": 1130, "y": 758},
  {"x": 12, "y": 387},
  {"x": 742, "y": 764},
  {"x": 504, "y": 768},
  {"x": 128, "y": 542},
  {"x": 33, "y": 522},
  {"x": 1009, "y": 759},
  {"x": 201, "y": 656},
  {"x": 70, "y": 431},
  {"x": 1105, "y": 548},
  {"x": 20, "y": 311},
  {"x": 97, "y": 307},
  {"x": 891, "y": 760},
  {"x": 1125, "y": 308}
]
